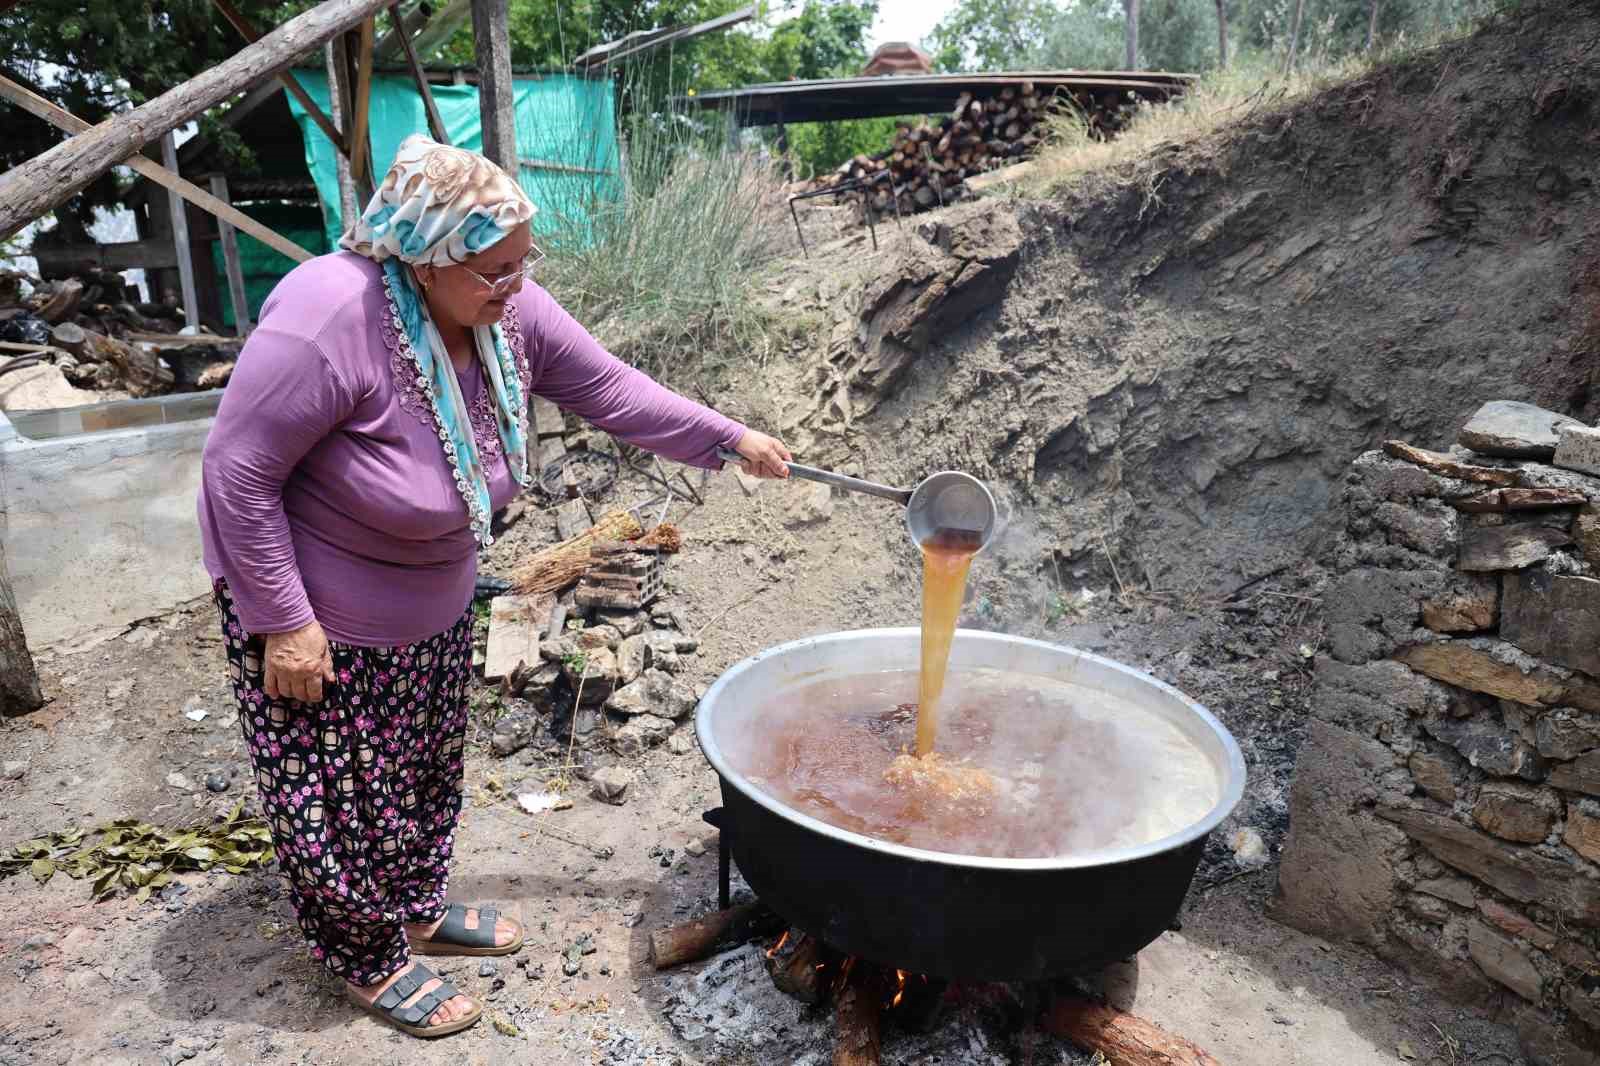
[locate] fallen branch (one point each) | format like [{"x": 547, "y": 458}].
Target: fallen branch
[
  {"x": 701, "y": 937},
  {"x": 1123, "y": 1039}
]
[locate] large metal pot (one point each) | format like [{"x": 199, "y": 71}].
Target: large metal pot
[{"x": 957, "y": 916}]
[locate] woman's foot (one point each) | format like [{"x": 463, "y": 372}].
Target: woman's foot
[
  {"x": 505, "y": 931},
  {"x": 451, "y": 1010}
]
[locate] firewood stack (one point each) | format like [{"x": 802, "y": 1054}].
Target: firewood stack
[{"x": 929, "y": 164}]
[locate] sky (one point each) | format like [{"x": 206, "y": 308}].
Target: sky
[{"x": 907, "y": 20}]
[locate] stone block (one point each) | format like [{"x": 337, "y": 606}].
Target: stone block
[
  {"x": 640, "y": 733},
  {"x": 1429, "y": 908},
  {"x": 633, "y": 655},
  {"x": 547, "y": 416},
  {"x": 1434, "y": 774},
  {"x": 1501, "y": 960},
  {"x": 1554, "y": 617},
  {"x": 1516, "y": 924},
  {"x": 1372, "y": 611},
  {"x": 1515, "y": 812},
  {"x": 1586, "y": 531},
  {"x": 1468, "y": 603},
  {"x": 1565, "y": 733},
  {"x": 1381, "y": 477},
  {"x": 551, "y": 451},
  {"x": 1521, "y": 873},
  {"x": 1511, "y": 430},
  {"x": 515, "y": 626},
  {"x": 1547, "y": 1042},
  {"x": 1583, "y": 829},
  {"x": 1337, "y": 877},
  {"x": 1508, "y": 547},
  {"x": 1578, "y": 449},
  {"x": 1457, "y": 890},
  {"x": 1376, "y": 699},
  {"x": 1501, "y": 670},
  {"x": 1580, "y": 775},
  {"x": 1489, "y": 746},
  {"x": 1426, "y": 526}
]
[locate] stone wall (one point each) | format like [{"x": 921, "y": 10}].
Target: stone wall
[{"x": 1446, "y": 808}]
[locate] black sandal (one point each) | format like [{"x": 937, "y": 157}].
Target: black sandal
[
  {"x": 414, "y": 1019},
  {"x": 452, "y": 937}
]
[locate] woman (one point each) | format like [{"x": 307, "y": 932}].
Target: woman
[{"x": 375, "y": 422}]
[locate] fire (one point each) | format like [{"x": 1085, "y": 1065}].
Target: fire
[
  {"x": 899, "y": 989},
  {"x": 772, "y": 952}
]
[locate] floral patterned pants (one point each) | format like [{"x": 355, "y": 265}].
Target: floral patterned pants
[{"x": 362, "y": 791}]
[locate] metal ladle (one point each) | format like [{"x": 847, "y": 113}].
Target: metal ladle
[{"x": 946, "y": 501}]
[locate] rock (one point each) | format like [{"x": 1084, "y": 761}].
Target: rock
[
  {"x": 177, "y": 780},
  {"x": 1547, "y": 1042},
  {"x": 1503, "y": 961},
  {"x": 1587, "y": 531},
  {"x": 571, "y": 967},
  {"x": 537, "y": 684},
  {"x": 695, "y": 847},
  {"x": 611, "y": 785},
  {"x": 655, "y": 692},
  {"x": 1554, "y": 617},
  {"x": 664, "y": 648},
  {"x": 1448, "y": 466},
  {"x": 1429, "y": 908},
  {"x": 488, "y": 968},
  {"x": 681, "y": 742},
  {"x": 547, "y": 417},
  {"x": 1515, "y": 812},
  {"x": 1501, "y": 670},
  {"x": 1578, "y": 448},
  {"x": 1566, "y": 734},
  {"x": 15, "y": 769},
  {"x": 592, "y": 672},
  {"x": 1583, "y": 829},
  {"x": 807, "y": 503},
  {"x": 633, "y": 655},
  {"x": 516, "y": 624},
  {"x": 599, "y": 636},
  {"x": 513, "y": 732},
  {"x": 588, "y": 721},
  {"x": 1433, "y": 775},
  {"x": 1520, "y": 873},
  {"x": 559, "y": 650},
  {"x": 641, "y": 733},
  {"x": 1467, "y": 604},
  {"x": 1426, "y": 526},
  {"x": 218, "y": 782},
  {"x": 1457, "y": 890},
  {"x": 1515, "y": 924},
  {"x": 572, "y": 519},
  {"x": 1500, "y": 501},
  {"x": 1508, "y": 547},
  {"x": 1511, "y": 430},
  {"x": 1580, "y": 775},
  {"x": 1248, "y": 847},
  {"x": 1489, "y": 746},
  {"x": 627, "y": 623}
]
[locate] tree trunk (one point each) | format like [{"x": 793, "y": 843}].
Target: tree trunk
[
  {"x": 19, "y": 683},
  {"x": 1372, "y": 25},
  {"x": 491, "y": 43},
  {"x": 1222, "y": 33},
  {"x": 55, "y": 176},
  {"x": 1131, "y": 9},
  {"x": 1294, "y": 37}
]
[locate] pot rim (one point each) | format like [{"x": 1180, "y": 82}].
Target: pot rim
[{"x": 1233, "y": 769}]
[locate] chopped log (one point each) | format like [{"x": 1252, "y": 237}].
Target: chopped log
[
  {"x": 1123, "y": 1039},
  {"x": 69, "y": 335},
  {"x": 141, "y": 371},
  {"x": 860, "y": 1017},
  {"x": 19, "y": 680},
  {"x": 1449, "y": 466},
  {"x": 795, "y": 968},
  {"x": 561, "y": 565},
  {"x": 65, "y": 301},
  {"x": 697, "y": 939}
]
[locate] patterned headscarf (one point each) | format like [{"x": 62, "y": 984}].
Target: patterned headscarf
[{"x": 437, "y": 206}]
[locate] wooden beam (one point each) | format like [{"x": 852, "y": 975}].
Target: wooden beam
[
  {"x": 491, "y": 42},
  {"x": 565, "y": 168},
  {"x": 54, "y": 177},
  {"x": 180, "y": 234},
  {"x": 56, "y": 260},
  {"x": 286, "y": 79},
  {"x": 403, "y": 26},
  {"x": 360, "y": 145},
  {"x": 341, "y": 99},
  {"x": 435, "y": 120},
  {"x": 66, "y": 120},
  {"x": 230, "y": 262},
  {"x": 441, "y": 27}
]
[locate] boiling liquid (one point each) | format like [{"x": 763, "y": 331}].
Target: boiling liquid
[
  {"x": 1064, "y": 768},
  {"x": 946, "y": 558}
]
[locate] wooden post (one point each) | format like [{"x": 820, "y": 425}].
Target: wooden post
[
  {"x": 1131, "y": 32},
  {"x": 180, "y": 235},
  {"x": 230, "y": 262},
  {"x": 435, "y": 121},
  {"x": 337, "y": 58},
  {"x": 496, "y": 108},
  {"x": 1222, "y": 33},
  {"x": 19, "y": 680},
  {"x": 65, "y": 120},
  {"x": 360, "y": 143},
  {"x": 31, "y": 189},
  {"x": 251, "y": 36}
]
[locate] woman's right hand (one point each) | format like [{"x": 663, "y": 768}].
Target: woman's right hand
[{"x": 297, "y": 663}]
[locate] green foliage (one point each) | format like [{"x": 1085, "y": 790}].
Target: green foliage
[
  {"x": 984, "y": 35},
  {"x": 135, "y": 857},
  {"x": 818, "y": 147}
]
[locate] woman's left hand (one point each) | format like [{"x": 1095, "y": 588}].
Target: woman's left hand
[{"x": 764, "y": 456}]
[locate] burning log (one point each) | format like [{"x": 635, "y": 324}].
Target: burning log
[
  {"x": 1123, "y": 1039},
  {"x": 561, "y": 565},
  {"x": 860, "y": 1018},
  {"x": 701, "y": 937},
  {"x": 796, "y": 968}
]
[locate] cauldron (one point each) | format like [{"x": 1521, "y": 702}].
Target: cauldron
[{"x": 963, "y": 917}]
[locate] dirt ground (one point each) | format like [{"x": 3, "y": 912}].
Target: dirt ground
[{"x": 215, "y": 972}]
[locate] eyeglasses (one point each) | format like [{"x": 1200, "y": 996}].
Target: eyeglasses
[{"x": 509, "y": 282}]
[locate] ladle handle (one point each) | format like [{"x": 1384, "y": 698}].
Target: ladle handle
[{"x": 828, "y": 477}]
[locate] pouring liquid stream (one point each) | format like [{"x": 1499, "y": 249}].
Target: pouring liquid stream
[{"x": 946, "y": 559}]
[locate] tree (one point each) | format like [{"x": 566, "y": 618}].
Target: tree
[
  {"x": 1294, "y": 35},
  {"x": 1130, "y": 10},
  {"x": 1222, "y": 32},
  {"x": 982, "y": 35}
]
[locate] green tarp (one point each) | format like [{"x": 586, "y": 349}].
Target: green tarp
[
  {"x": 264, "y": 267},
  {"x": 566, "y": 128}
]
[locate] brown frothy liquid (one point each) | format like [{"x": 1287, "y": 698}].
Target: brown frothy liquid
[{"x": 946, "y": 559}]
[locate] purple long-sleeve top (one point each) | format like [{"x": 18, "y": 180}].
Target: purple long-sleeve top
[{"x": 325, "y": 491}]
